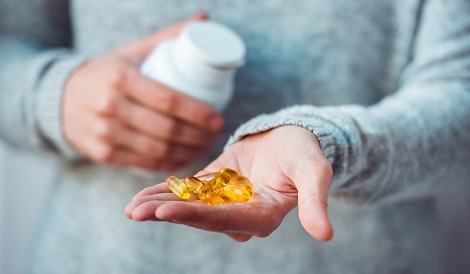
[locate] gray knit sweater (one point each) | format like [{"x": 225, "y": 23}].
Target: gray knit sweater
[{"x": 384, "y": 85}]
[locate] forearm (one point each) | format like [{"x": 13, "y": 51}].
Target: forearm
[
  {"x": 31, "y": 81},
  {"x": 418, "y": 137},
  {"x": 398, "y": 144}
]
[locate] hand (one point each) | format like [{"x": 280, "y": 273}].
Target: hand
[
  {"x": 286, "y": 167},
  {"x": 113, "y": 114}
]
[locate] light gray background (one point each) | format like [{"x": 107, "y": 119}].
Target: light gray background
[{"x": 24, "y": 185}]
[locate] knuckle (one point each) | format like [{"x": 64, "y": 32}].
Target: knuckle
[
  {"x": 105, "y": 153},
  {"x": 263, "y": 234},
  {"x": 117, "y": 77},
  {"x": 170, "y": 128},
  {"x": 109, "y": 104},
  {"x": 103, "y": 130},
  {"x": 148, "y": 147},
  {"x": 168, "y": 101},
  {"x": 240, "y": 238},
  {"x": 199, "y": 114},
  {"x": 164, "y": 151},
  {"x": 265, "y": 231},
  {"x": 327, "y": 169}
]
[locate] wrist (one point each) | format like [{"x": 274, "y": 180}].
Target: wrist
[{"x": 49, "y": 102}]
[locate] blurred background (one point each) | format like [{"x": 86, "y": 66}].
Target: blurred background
[{"x": 24, "y": 186}]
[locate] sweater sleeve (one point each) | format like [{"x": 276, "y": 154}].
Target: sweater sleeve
[
  {"x": 34, "y": 66},
  {"x": 419, "y": 137}
]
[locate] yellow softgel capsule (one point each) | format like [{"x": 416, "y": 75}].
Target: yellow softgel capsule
[
  {"x": 227, "y": 200},
  {"x": 205, "y": 189},
  {"x": 232, "y": 173},
  {"x": 193, "y": 183},
  {"x": 241, "y": 180},
  {"x": 207, "y": 177},
  {"x": 220, "y": 180},
  {"x": 212, "y": 198},
  {"x": 239, "y": 193},
  {"x": 223, "y": 187},
  {"x": 178, "y": 187}
]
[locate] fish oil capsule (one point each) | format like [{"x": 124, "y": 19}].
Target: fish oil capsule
[
  {"x": 235, "y": 177},
  {"x": 232, "y": 173},
  {"x": 206, "y": 188},
  {"x": 223, "y": 187},
  {"x": 178, "y": 187},
  {"x": 227, "y": 200},
  {"x": 220, "y": 180},
  {"x": 239, "y": 193},
  {"x": 212, "y": 198},
  {"x": 241, "y": 180},
  {"x": 207, "y": 177},
  {"x": 193, "y": 183}
]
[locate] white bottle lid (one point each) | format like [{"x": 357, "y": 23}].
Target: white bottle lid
[
  {"x": 200, "y": 62},
  {"x": 213, "y": 44}
]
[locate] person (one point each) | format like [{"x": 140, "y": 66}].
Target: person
[
  {"x": 403, "y": 147},
  {"x": 69, "y": 81}
]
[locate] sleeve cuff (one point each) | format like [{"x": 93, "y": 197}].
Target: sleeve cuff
[
  {"x": 57, "y": 66},
  {"x": 298, "y": 116}
]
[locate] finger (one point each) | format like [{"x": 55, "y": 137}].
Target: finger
[
  {"x": 153, "y": 123},
  {"x": 139, "y": 49},
  {"x": 106, "y": 153},
  {"x": 239, "y": 237},
  {"x": 233, "y": 218},
  {"x": 167, "y": 101},
  {"x": 153, "y": 150},
  {"x": 103, "y": 150},
  {"x": 156, "y": 197},
  {"x": 145, "y": 207},
  {"x": 125, "y": 158},
  {"x": 156, "y": 189},
  {"x": 115, "y": 136},
  {"x": 146, "y": 211},
  {"x": 313, "y": 195}
]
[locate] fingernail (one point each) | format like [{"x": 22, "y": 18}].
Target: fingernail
[
  {"x": 216, "y": 122},
  {"x": 202, "y": 15}
]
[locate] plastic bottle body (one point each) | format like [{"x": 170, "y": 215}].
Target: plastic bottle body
[
  {"x": 201, "y": 62},
  {"x": 161, "y": 67}
]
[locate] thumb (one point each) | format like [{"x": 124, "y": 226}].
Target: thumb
[
  {"x": 312, "y": 190},
  {"x": 138, "y": 50}
]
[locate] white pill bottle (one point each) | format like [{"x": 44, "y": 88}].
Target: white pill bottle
[{"x": 200, "y": 62}]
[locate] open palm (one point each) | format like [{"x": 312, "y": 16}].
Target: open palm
[{"x": 285, "y": 173}]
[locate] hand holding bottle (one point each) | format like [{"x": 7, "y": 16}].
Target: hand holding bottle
[{"x": 114, "y": 114}]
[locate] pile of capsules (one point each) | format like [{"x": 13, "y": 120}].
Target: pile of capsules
[{"x": 223, "y": 187}]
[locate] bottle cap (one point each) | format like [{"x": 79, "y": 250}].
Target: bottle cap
[{"x": 212, "y": 43}]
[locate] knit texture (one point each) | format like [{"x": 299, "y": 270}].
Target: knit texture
[{"x": 384, "y": 85}]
